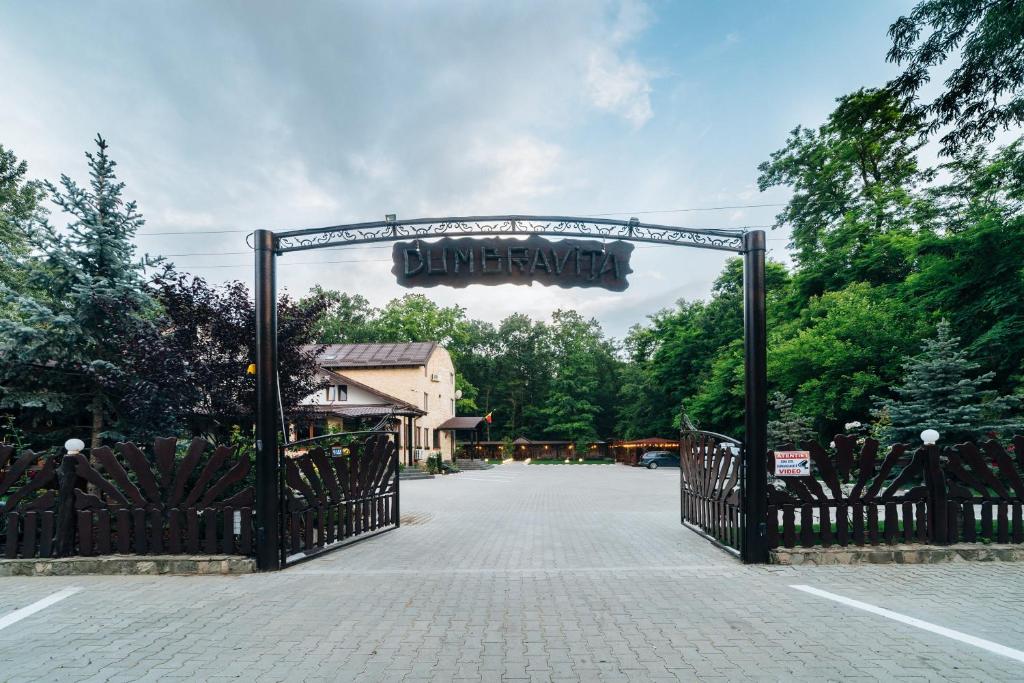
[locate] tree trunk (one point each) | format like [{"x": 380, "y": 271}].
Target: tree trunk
[
  {"x": 97, "y": 423},
  {"x": 94, "y": 440}
]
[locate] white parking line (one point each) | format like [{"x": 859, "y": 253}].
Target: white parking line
[
  {"x": 27, "y": 611},
  {"x": 924, "y": 625}
]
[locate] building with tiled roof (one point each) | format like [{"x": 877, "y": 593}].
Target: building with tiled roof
[{"x": 412, "y": 383}]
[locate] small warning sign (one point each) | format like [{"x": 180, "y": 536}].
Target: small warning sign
[{"x": 792, "y": 463}]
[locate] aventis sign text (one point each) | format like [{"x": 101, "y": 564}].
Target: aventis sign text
[{"x": 458, "y": 262}]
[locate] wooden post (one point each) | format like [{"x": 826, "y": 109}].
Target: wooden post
[
  {"x": 65, "y": 507},
  {"x": 935, "y": 479}
]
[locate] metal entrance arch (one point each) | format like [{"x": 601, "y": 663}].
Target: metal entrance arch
[{"x": 268, "y": 245}]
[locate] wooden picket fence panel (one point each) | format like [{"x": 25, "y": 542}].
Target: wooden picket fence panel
[
  {"x": 936, "y": 495},
  {"x": 330, "y": 499},
  {"x": 121, "y": 501}
]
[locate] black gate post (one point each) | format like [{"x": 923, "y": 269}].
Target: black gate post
[
  {"x": 754, "y": 549},
  {"x": 267, "y": 476}
]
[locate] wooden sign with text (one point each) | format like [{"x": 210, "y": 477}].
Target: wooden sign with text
[{"x": 459, "y": 262}]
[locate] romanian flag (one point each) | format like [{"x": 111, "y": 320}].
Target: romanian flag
[{"x": 487, "y": 417}]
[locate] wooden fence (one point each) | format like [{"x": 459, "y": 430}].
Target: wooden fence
[
  {"x": 330, "y": 498},
  {"x": 126, "y": 501},
  {"x": 937, "y": 495},
  {"x": 710, "y": 488}
]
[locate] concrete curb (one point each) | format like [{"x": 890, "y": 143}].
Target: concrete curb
[
  {"x": 899, "y": 554},
  {"x": 199, "y": 565}
]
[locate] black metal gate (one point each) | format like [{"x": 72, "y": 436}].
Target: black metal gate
[
  {"x": 272, "y": 520},
  {"x": 336, "y": 489},
  {"x": 711, "y": 484}
]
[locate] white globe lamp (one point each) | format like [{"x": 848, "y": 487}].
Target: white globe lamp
[
  {"x": 929, "y": 437},
  {"x": 73, "y": 446}
]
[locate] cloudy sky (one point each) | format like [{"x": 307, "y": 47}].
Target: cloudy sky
[{"x": 230, "y": 116}]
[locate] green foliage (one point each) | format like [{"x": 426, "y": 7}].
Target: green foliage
[
  {"x": 692, "y": 355},
  {"x": 985, "y": 91},
  {"x": 79, "y": 337},
  {"x": 785, "y": 425},
  {"x": 938, "y": 392},
  {"x": 971, "y": 271},
  {"x": 844, "y": 349},
  {"x": 854, "y": 182},
  {"x": 573, "y": 407},
  {"x": 20, "y": 215}
]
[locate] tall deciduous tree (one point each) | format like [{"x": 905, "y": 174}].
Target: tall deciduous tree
[
  {"x": 985, "y": 91},
  {"x": 573, "y": 408},
  {"x": 855, "y": 201},
  {"x": 970, "y": 271}
]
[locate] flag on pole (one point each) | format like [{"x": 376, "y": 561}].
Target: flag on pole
[{"x": 487, "y": 417}]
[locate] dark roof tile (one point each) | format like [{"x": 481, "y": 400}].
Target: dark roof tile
[{"x": 376, "y": 355}]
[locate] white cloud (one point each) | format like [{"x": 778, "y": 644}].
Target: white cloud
[
  {"x": 620, "y": 86},
  {"x": 515, "y": 171},
  {"x": 614, "y": 82}
]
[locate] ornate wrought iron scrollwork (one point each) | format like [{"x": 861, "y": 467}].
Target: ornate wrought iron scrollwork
[{"x": 568, "y": 226}]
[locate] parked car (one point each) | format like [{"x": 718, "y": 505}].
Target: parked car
[{"x": 652, "y": 460}]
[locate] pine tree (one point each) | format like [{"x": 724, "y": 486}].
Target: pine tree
[
  {"x": 80, "y": 339},
  {"x": 938, "y": 393},
  {"x": 20, "y": 212},
  {"x": 788, "y": 427}
]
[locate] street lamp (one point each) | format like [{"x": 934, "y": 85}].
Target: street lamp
[
  {"x": 929, "y": 437},
  {"x": 74, "y": 446}
]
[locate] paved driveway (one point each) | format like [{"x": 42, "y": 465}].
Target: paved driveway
[{"x": 524, "y": 573}]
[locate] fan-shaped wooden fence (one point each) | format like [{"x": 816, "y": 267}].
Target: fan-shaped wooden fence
[
  {"x": 126, "y": 501},
  {"x": 710, "y": 487},
  {"x": 936, "y": 495},
  {"x": 339, "y": 493}
]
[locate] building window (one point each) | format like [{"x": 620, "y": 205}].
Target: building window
[
  {"x": 437, "y": 439},
  {"x": 426, "y": 401},
  {"x": 453, "y": 406},
  {"x": 337, "y": 392}
]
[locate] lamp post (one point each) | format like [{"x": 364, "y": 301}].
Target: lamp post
[{"x": 930, "y": 437}]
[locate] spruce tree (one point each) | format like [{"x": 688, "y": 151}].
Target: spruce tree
[
  {"x": 20, "y": 212},
  {"x": 787, "y": 427},
  {"x": 80, "y": 341},
  {"x": 939, "y": 393}
]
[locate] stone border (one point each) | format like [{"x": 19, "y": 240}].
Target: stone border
[
  {"x": 898, "y": 554},
  {"x": 200, "y": 565}
]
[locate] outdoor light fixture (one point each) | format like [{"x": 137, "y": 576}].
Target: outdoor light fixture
[
  {"x": 929, "y": 436},
  {"x": 458, "y": 393},
  {"x": 74, "y": 446}
]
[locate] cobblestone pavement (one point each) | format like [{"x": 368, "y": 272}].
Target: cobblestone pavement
[{"x": 563, "y": 573}]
